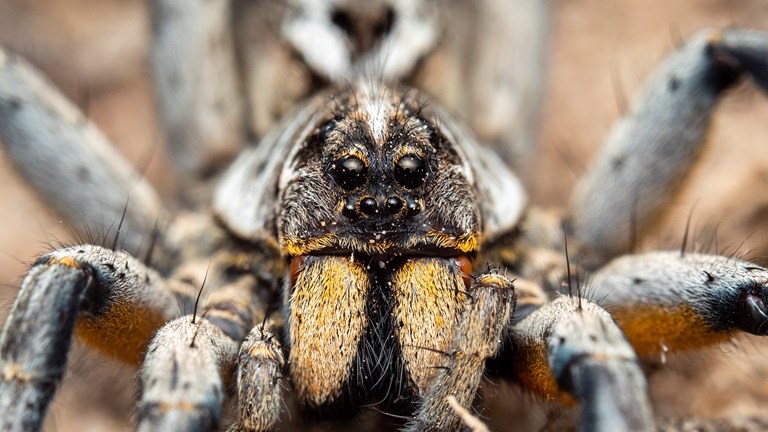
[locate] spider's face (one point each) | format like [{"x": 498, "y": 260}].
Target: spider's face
[
  {"x": 374, "y": 179},
  {"x": 371, "y": 175},
  {"x": 377, "y": 177}
]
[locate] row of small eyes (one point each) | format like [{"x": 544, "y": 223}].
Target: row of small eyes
[{"x": 350, "y": 172}]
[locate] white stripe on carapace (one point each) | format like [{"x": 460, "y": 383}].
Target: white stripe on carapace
[{"x": 376, "y": 109}]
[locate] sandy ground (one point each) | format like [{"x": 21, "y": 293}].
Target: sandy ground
[{"x": 601, "y": 51}]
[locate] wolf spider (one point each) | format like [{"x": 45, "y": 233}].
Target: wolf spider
[{"x": 368, "y": 251}]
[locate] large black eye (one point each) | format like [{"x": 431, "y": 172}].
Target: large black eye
[
  {"x": 349, "y": 172},
  {"x": 410, "y": 171}
]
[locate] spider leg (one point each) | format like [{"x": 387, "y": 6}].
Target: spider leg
[
  {"x": 192, "y": 361},
  {"x": 571, "y": 350},
  {"x": 272, "y": 76},
  {"x": 67, "y": 159},
  {"x": 111, "y": 300},
  {"x": 650, "y": 152},
  {"x": 507, "y": 74},
  {"x": 259, "y": 375},
  {"x": 665, "y": 301},
  {"x": 193, "y": 61},
  {"x": 184, "y": 376},
  {"x": 479, "y": 337}
]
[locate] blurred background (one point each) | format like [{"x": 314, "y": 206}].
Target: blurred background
[{"x": 95, "y": 50}]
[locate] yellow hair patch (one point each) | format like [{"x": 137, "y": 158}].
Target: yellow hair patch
[
  {"x": 532, "y": 368},
  {"x": 429, "y": 301},
  {"x": 655, "y": 329},
  {"x": 123, "y": 331},
  {"x": 66, "y": 261},
  {"x": 327, "y": 322}
]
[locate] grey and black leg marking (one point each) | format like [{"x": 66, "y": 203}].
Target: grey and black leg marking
[
  {"x": 192, "y": 360},
  {"x": 193, "y": 60},
  {"x": 654, "y": 147},
  {"x": 183, "y": 379},
  {"x": 68, "y": 161},
  {"x": 571, "y": 350},
  {"x": 483, "y": 327},
  {"x": 665, "y": 301},
  {"x": 259, "y": 382},
  {"x": 110, "y": 299}
]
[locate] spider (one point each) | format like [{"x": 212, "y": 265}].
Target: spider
[{"x": 372, "y": 188}]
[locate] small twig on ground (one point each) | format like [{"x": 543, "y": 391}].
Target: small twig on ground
[{"x": 474, "y": 423}]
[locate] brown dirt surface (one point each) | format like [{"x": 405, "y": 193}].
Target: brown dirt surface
[{"x": 601, "y": 52}]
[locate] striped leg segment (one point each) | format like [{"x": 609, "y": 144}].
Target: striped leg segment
[
  {"x": 192, "y": 360},
  {"x": 665, "y": 301},
  {"x": 259, "y": 382},
  {"x": 571, "y": 350},
  {"x": 108, "y": 298},
  {"x": 184, "y": 376}
]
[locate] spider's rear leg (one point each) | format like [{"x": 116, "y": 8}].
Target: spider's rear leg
[
  {"x": 506, "y": 61},
  {"x": 479, "y": 337},
  {"x": 69, "y": 162},
  {"x": 195, "y": 76},
  {"x": 665, "y": 301},
  {"x": 651, "y": 151},
  {"x": 111, "y": 300},
  {"x": 571, "y": 350}
]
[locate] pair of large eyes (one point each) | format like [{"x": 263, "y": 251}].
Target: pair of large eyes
[{"x": 350, "y": 172}]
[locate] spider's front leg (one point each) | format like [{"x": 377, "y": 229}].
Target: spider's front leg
[
  {"x": 668, "y": 301},
  {"x": 259, "y": 375},
  {"x": 193, "y": 361},
  {"x": 652, "y": 150},
  {"x": 111, "y": 300},
  {"x": 571, "y": 350}
]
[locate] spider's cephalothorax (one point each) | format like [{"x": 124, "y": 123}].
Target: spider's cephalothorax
[{"x": 376, "y": 194}]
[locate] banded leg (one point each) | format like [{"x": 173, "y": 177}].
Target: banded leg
[
  {"x": 193, "y": 62},
  {"x": 259, "y": 382},
  {"x": 184, "y": 376},
  {"x": 110, "y": 299},
  {"x": 192, "y": 360},
  {"x": 478, "y": 338},
  {"x": 650, "y": 152},
  {"x": 69, "y": 162},
  {"x": 665, "y": 301},
  {"x": 571, "y": 350}
]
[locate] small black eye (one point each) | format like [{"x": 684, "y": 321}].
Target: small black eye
[
  {"x": 410, "y": 171},
  {"x": 368, "y": 206},
  {"x": 349, "y": 172},
  {"x": 326, "y": 130}
]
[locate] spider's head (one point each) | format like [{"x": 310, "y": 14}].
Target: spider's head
[{"x": 377, "y": 176}]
